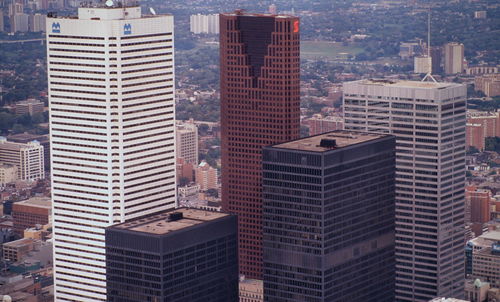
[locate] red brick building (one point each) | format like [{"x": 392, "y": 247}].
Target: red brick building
[
  {"x": 28, "y": 213},
  {"x": 260, "y": 106}
]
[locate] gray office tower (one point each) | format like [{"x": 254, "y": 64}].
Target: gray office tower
[
  {"x": 428, "y": 120},
  {"x": 329, "y": 218},
  {"x": 176, "y": 255}
]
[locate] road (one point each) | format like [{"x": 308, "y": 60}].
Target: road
[{"x": 21, "y": 41}]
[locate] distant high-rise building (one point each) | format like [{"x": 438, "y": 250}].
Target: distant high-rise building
[
  {"x": 481, "y": 125},
  {"x": 273, "y": 9},
  {"x": 260, "y": 106},
  {"x": 453, "y": 58},
  {"x": 480, "y": 14},
  {"x": 112, "y": 124},
  {"x": 422, "y": 64},
  {"x": 328, "y": 217},
  {"x": 2, "y": 21},
  {"x": 187, "y": 142},
  {"x": 179, "y": 255},
  {"x": 205, "y": 176},
  {"x": 28, "y": 158},
  {"x": 436, "y": 56},
  {"x": 37, "y": 22},
  {"x": 428, "y": 120},
  {"x": 19, "y": 22},
  {"x": 204, "y": 24},
  {"x": 475, "y": 136}
]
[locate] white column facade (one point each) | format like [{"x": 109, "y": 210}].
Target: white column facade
[
  {"x": 428, "y": 120},
  {"x": 112, "y": 123}
]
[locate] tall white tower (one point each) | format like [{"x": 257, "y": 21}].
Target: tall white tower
[
  {"x": 111, "y": 97},
  {"x": 428, "y": 120}
]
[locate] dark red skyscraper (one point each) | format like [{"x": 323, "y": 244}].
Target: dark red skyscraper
[{"x": 260, "y": 106}]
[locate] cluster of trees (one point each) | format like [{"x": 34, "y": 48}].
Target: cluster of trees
[
  {"x": 22, "y": 123},
  {"x": 492, "y": 144},
  {"x": 27, "y": 63},
  {"x": 482, "y": 105},
  {"x": 208, "y": 110}
]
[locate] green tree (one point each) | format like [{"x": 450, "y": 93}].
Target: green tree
[{"x": 492, "y": 144}]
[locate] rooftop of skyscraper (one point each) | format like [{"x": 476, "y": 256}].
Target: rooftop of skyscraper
[
  {"x": 169, "y": 221},
  {"x": 408, "y": 84},
  {"x": 329, "y": 141}
]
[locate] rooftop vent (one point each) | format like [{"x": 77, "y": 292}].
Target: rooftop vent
[
  {"x": 175, "y": 216},
  {"x": 328, "y": 143}
]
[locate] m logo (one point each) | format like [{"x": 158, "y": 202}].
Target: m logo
[
  {"x": 127, "y": 29},
  {"x": 56, "y": 27}
]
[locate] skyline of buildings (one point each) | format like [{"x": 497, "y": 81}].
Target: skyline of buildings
[
  {"x": 260, "y": 106},
  {"x": 328, "y": 218},
  {"x": 428, "y": 120},
  {"x": 419, "y": 193},
  {"x": 112, "y": 123}
]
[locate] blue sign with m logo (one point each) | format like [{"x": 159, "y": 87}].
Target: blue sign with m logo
[
  {"x": 56, "y": 27},
  {"x": 127, "y": 29}
]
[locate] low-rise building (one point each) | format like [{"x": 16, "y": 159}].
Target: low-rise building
[
  {"x": 188, "y": 190},
  {"x": 8, "y": 174},
  {"x": 29, "y": 106},
  {"x": 486, "y": 264},
  {"x": 31, "y": 212},
  {"x": 489, "y": 84},
  {"x": 476, "y": 291},
  {"x": 251, "y": 290},
  {"x": 318, "y": 124},
  {"x": 16, "y": 250}
]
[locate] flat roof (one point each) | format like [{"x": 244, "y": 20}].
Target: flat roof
[
  {"x": 491, "y": 235},
  {"x": 19, "y": 243},
  {"x": 407, "y": 84},
  {"x": 37, "y": 202},
  {"x": 245, "y": 14},
  {"x": 343, "y": 138},
  {"x": 158, "y": 224}
]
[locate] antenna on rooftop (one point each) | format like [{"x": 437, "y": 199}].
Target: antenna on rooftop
[{"x": 429, "y": 58}]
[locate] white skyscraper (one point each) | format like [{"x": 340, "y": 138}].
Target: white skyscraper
[
  {"x": 111, "y": 98},
  {"x": 428, "y": 120}
]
